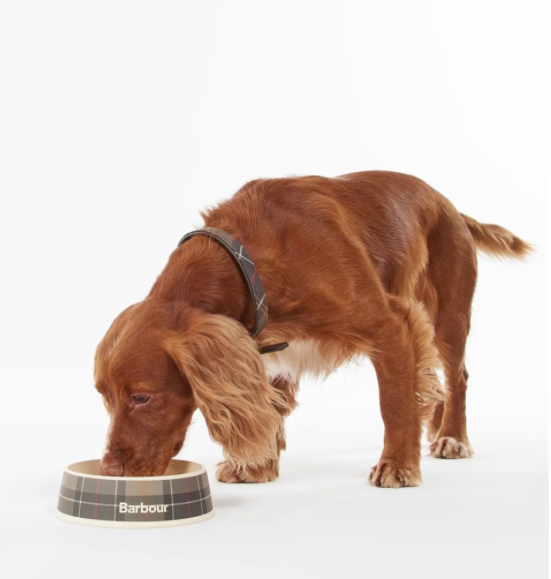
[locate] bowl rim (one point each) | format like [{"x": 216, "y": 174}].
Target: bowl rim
[{"x": 196, "y": 472}]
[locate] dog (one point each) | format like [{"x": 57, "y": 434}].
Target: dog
[{"x": 375, "y": 264}]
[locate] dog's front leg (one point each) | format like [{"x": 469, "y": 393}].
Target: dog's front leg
[{"x": 394, "y": 360}]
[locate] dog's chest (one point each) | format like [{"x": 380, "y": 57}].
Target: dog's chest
[{"x": 301, "y": 357}]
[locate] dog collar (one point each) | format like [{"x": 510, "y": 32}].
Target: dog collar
[{"x": 256, "y": 289}]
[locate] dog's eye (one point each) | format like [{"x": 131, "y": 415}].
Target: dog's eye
[{"x": 140, "y": 399}]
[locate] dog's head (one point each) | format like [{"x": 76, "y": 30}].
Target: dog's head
[{"x": 157, "y": 364}]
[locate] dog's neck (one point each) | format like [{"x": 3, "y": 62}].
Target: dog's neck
[{"x": 202, "y": 274}]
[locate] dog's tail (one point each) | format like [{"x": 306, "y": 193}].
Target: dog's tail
[{"x": 496, "y": 240}]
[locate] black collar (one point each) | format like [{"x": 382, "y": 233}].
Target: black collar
[{"x": 256, "y": 289}]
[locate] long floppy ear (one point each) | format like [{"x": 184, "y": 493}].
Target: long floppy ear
[{"x": 230, "y": 386}]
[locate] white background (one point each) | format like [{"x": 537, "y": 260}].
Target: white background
[{"x": 119, "y": 121}]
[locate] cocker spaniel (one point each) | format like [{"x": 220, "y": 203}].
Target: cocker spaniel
[{"x": 375, "y": 264}]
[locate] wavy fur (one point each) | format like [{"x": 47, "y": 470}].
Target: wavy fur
[
  {"x": 497, "y": 240},
  {"x": 230, "y": 387}
]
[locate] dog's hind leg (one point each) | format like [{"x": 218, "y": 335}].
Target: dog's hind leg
[
  {"x": 453, "y": 273},
  {"x": 270, "y": 471}
]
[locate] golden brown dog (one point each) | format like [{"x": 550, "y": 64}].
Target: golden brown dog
[{"x": 372, "y": 263}]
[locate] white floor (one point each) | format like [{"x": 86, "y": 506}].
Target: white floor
[{"x": 480, "y": 517}]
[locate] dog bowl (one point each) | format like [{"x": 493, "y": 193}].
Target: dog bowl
[{"x": 178, "y": 497}]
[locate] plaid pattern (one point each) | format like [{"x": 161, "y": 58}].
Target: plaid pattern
[
  {"x": 134, "y": 500},
  {"x": 247, "y": 267}
]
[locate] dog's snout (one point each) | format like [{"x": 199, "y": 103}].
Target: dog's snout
[
  {"x": 121, "y": 454},
  {"x": 112, "y": 463},
  {"x": 111, "y": 469}
]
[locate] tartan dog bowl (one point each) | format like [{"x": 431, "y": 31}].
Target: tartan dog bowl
[{"x": 180, "y": 496}]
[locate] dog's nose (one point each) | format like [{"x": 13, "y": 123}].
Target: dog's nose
[
  {"x": 112, "y": 463},
  {"x": 111, "y": 469}
]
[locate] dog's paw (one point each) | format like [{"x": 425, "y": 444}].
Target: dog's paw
[
  {"x": 226, "y": 474},
  {"x": 449, "y": 447},
  {"x": 392, "y": 473},
  {"x": 229, "y": 473}
]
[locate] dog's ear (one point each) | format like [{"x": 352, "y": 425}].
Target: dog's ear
[{"x": 229, "y": 383}]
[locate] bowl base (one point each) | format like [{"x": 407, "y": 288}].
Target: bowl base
[{"x": 133, "y": 524}]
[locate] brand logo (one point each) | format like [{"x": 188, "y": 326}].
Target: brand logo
[{"x": 141, "y": 508}]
